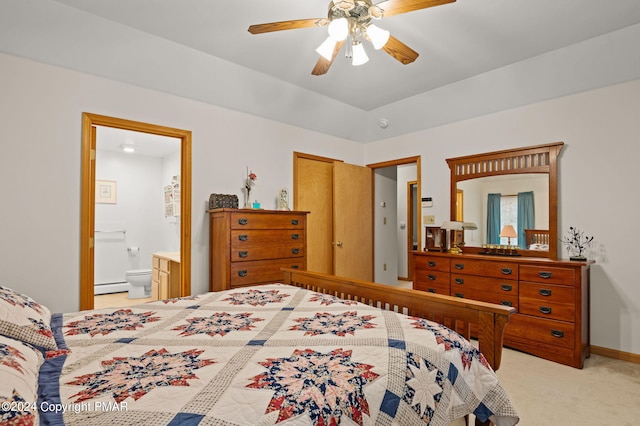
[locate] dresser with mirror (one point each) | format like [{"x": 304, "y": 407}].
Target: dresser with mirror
[{"x": 550, "y": 294}]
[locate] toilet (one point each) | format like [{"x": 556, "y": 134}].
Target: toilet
[{"x": 139, "y": 283}]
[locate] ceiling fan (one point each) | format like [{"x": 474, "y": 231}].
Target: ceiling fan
[{"x": 350, "y": 22}]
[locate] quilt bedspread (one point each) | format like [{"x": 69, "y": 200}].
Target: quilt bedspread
[{"x": 264, "y": 355}]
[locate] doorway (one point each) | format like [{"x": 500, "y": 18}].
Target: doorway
[
  {"x": 397, "y": 218},
  {"x": 90, "y": 123}
]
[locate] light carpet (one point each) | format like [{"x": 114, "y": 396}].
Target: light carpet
[{"x": 605, "y": 392}]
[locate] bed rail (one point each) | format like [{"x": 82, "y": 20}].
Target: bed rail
[{"x": 455, "y": 313}]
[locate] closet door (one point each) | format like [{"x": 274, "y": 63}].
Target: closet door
[
  {"x": 353, "y": 221},
  {"x": 340, "y": 224}
]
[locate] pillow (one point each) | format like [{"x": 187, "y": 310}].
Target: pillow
[
  {"x": 541, "y": 247},
  {"x": 23, "y": 319},
  {"x": 19, "y": 367}
]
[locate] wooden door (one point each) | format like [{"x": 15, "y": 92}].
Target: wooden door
[
  {"x": 320, "y": 184},
  {"x": 353, "y": 221},
  {"x": 314, "y": 193}
]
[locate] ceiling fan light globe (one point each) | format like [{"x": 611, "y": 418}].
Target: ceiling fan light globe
[
  {"x": 326, "y": 48},
  {"x": 378, "y": 36},
  {"x": 339, "y": 29},
  {"x": 359, "y": 55}
]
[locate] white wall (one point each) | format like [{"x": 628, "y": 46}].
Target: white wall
[
  {"x": 41, "y": 108},
  {"x": 597, "y": 185},
  {"x": 385, "y": 261},
  {"x": 406, "y": 173}
]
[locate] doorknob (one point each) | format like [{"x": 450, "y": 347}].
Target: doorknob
[{"x": 339, "y": 243}]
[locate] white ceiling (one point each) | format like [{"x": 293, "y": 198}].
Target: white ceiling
[{"x": 457, "y": 42}]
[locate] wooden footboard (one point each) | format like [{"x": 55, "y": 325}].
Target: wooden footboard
[{"x": 455, "y": 313}]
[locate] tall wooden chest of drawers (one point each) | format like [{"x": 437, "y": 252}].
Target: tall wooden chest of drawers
[
  {"x": 551, "y": 297},
  {"x": 249, "y": 247}
]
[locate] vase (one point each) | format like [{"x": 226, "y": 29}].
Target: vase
[{"x": 247, "y": 201}]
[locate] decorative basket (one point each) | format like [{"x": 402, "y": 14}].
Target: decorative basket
[{"x": 219, "y": 201}]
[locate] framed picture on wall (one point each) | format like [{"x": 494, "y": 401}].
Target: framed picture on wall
[{"x": 106, "y": 191}]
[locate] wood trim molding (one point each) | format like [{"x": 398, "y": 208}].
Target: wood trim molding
[
  {"x": 616, "y": 354},
  {"x": 87, "y": 198}
]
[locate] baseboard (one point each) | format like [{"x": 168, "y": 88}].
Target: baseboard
[{"x": 615, "y": 354}]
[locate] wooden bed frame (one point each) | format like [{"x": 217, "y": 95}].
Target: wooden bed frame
[
  {"x": 489, "y": 319},
  {"x": 536, "y": 236}
]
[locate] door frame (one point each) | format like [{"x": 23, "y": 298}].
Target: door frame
[
  {"x": 399, "y": 162},
  {"x": 87, "y": 198}
]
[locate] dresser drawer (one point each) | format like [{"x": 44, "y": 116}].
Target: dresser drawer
[
  {"x": 246, "y": 237},
  {"x": 544, "y": 274},
  {"x": 261, "y": 252},
  {"x": 428, "y": 263},
  {"x": 251, "y": 220},
  {"x": 439, "y": 286},
  {"x": 545, "y": 331},
  {"x": 505, "y": 270},
  {"x": 490, "y": 285},
  {"x": 506, "y": 299},
  {"x": 262, "y": 271},
  {"x": 548, "y": 301}
]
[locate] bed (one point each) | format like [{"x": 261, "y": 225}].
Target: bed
[
  {"x": 312, "y": 350},
  {"x": 537, "y": 239}
]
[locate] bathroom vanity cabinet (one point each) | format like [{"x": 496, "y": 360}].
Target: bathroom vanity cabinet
[{"x": 165, "y": 275}]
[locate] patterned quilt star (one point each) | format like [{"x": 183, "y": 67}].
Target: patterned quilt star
[
  {"x": 325, "y": 386},
  {"x": 328, "y": 299},
  {"x": 425, "y": 386},
  {"x": 256, "y": 297},
  {"x": 450, "y": 340},
  {"x": 9, "y": 357},
  {"x": 19, "y": 300},
  {"x": 220, "y": 323},
  {"x": 122, "y": 319},
  {"x": 339, "y": 324},
  {"x": 134, "y": 377}
]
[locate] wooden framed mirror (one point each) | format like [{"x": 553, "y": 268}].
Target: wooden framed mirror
[{"x": 532, "y": 169}]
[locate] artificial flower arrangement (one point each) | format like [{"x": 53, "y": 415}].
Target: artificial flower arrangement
[
  {"x": 248, "y": 183},
  {"x": 576, "y": 243}
]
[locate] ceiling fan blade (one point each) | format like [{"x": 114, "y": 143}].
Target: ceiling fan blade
[
  {"x": 396, "y": 7},
  {"x": 400, "y": 51},
  {"x": 323, "y": 64},
  {"x": 287, "y": 25}
]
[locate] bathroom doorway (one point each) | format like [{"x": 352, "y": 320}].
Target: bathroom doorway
[{"x": 114, "y": 235}]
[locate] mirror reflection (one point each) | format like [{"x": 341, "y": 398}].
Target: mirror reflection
[{"x": 499, "y": 205}]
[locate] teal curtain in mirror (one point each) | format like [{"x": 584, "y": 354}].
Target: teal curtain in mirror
[
  {"x": 526, "y": 216},
  {"x": 493, "y": 218}
]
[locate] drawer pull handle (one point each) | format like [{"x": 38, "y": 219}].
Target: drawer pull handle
[
  {"x": 459, "y": 295},
  {"x": 431, "y": 263},
  {"x": 506, "y": 303},
  {"x": 431, "y": 290},
  {"x": 243, "y": 221},
  {"x": 243, "y": 237},
  {"x": 545, "y": 310},
  {"x": 294, "y": 266},
  {"x": 459, "y": 266},
  {"x": 431, "y": 277},
  {"x": 506, "y": 287},
  {"x": 294, "y": 221},
  {"x": 544, "y": 292},
  {"x": 459, "y": 280},
  {"x": 506, "y": 271},
  {"x": 557, "y": 333},
  {"x": 243, "y": 254},
  {"x": 295, "y": 250},
  {"x": 545, "y": 275},
  {"x": 242, "y": 273},
  {"x": 294, "y": 236}
]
